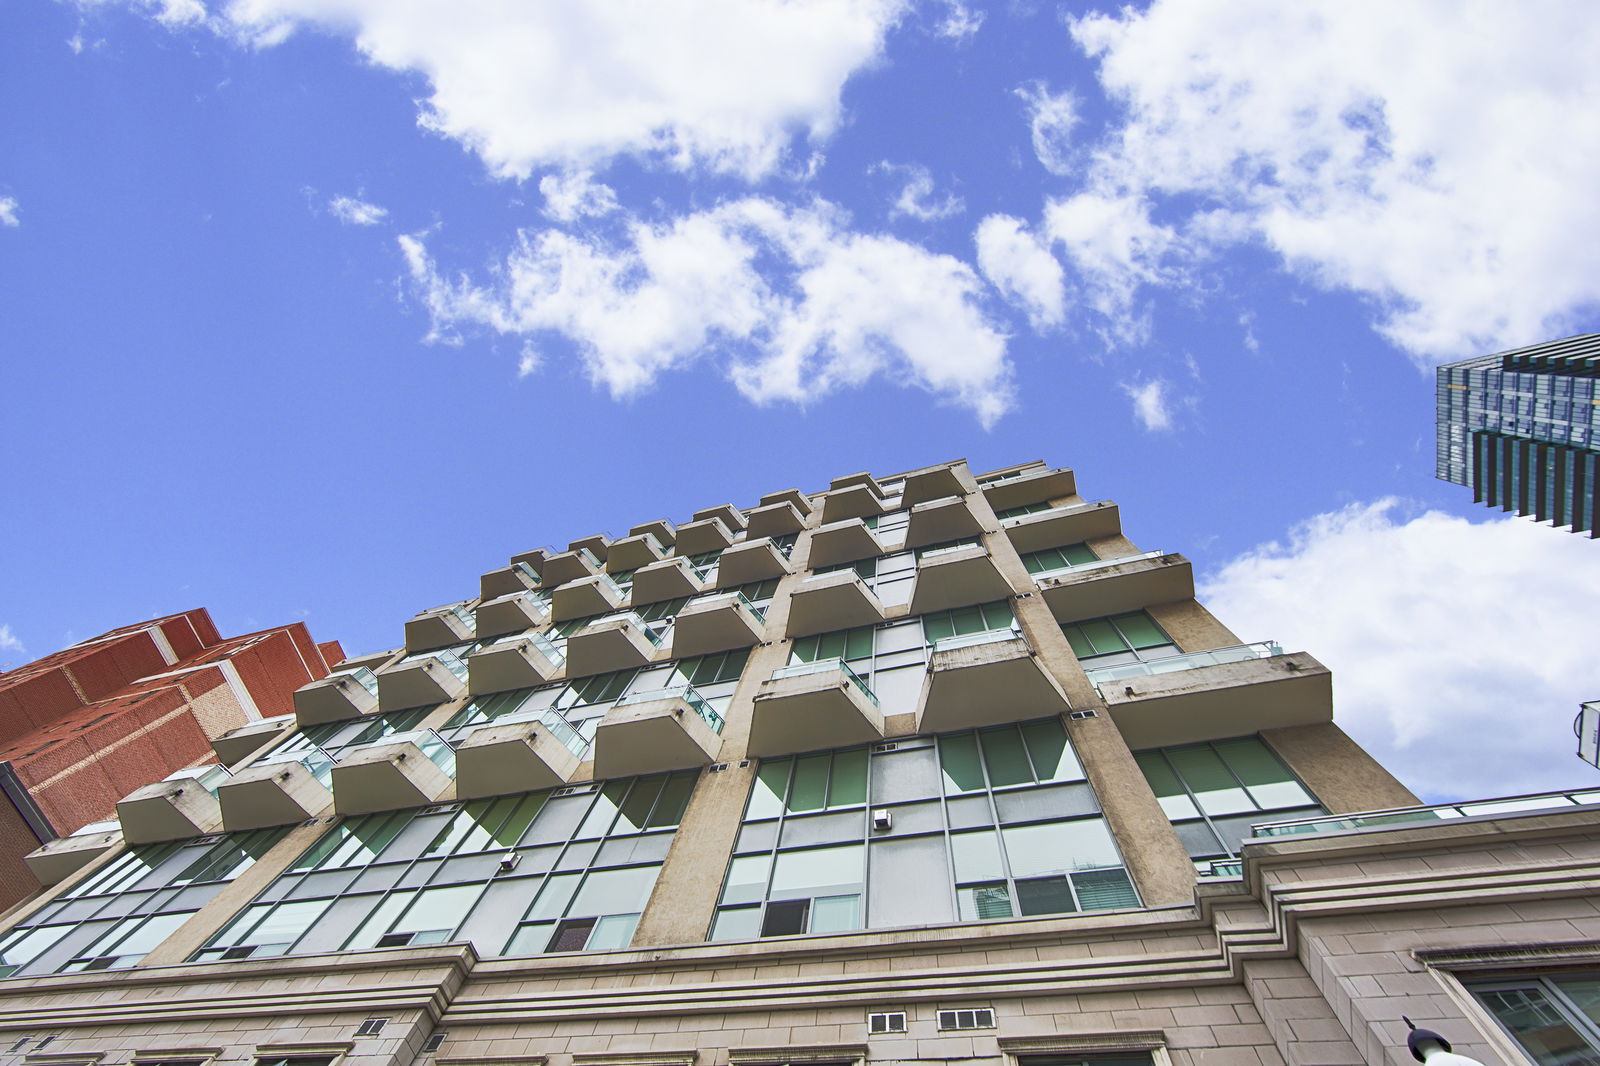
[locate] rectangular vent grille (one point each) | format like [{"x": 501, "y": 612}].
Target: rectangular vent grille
[
  {"x": 1078, "y": 716},
  {"x": 888, "y": 1022},
  {"x": 982, "y": 1018},
  {"x": 574, "y": 790},
  {"x": 434, "y": 1042},
  {"x": 442, "y": 808},
  {"x": 886, "y": 746},
  {"x": 716, "y": 768},
  {"x": 372, "y": 1026}
]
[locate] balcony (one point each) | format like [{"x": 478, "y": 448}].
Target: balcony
[
  {"x": 635, "y": 551},
  {"x": 715, "y": 622},
  {"x": 665, "y": 532},
  {"x": 800, "y": 501},
  {"x": 586, "y": 596},
  {"x": 418, "y": 682},
  {"x": 597, "y": 545},
  {"x": 843, "y": 542},
  {"x": 285, "y": 788},
  {"x": 346, "y": 694},
  {"x": 937, "y": 521},
  {"x": 178, "y": 808},
  {"x": 704, "y": 535},
  {"x": 1038, "y": 484},
  {"x": 614, "y": 642},
  {"x": 512, "y": 613},
  {"x": 1113, "y": 586},
  {"x": 670, "y": 579},
  {"x": 1225, "y": 692},
  {"x": 932, "y": 483},
  {"x": 851, "y": 501},
  {"x": 775, "y": 520},
  {"x": 751, "y": 560},
  {"x": 520, "y": 661},
  {"x": 823, "y": 603},
  {"x": 508, "y": 580},
  {"x": 57, "y": 860},
  {"x": 730, "y": 515},
  {"x": 1401, "y": 817},
  {"x": 811, "y": 706},
  {"x": 862, "y": 479},
  {"x": 966, "y": 672},
  {"x": 569, "y": 566},
  {"x": 1063, "y": 525},
  {"x": 401, "y": 770},
  {"x": 239, "y": 744},
  {"x": 440, "y": 627},
  {"x": 519, "y": 752},
  {"x": 651, "y": 732},
  {"x": 958, "y": 576}
]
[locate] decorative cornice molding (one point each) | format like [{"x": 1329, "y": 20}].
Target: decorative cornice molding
[
  {"x": 636, "y": 1058},
  {"x": 1573, "y": 952}
]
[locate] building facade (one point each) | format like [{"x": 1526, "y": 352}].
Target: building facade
[
  {"x": 929, "y": 768},
  {"x": 82, "y": 728},
  {"x": 1522, "y": 430}
]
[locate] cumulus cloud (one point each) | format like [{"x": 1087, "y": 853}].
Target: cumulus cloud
[
  {"x": 721, "y": 83},
  {"x": 9, "y": 641},
  {"x": 1051, "y": 118},
  {"x": 1427, "y": 156},
  {"x": 958, "y": 22},
  {"x": 1460, "y": 650},
  {"x": 8, "y": 212},
  {"x": 1022, "y": 269},
  {"x": 1115, "y": 250},
  {"x": 356, "y": 212},
  {"x": 576, "y": 195},
  {"x": 791, "y": 303},
  {"x": 1151, "y": 404},
  {"x": 916, "y": 198}
]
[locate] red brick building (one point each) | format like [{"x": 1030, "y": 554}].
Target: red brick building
[{"x": 82, "y": 728}]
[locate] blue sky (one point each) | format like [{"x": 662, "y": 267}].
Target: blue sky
[{"x": 317, "y": 309}]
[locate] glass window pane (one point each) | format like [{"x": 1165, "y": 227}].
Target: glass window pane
[
  {"x": 998, "y": 615},
  {"x": 977, "y": 855},
  {"x": 1053, "y": 758},
  {"x": 958, "y": 756},
  {"x": 1164, "y": 783},
  {"x": 848, "y": 781},
  {"x": 835, "y": 914},
  {"x": 859, "y": 645},
  {"x": 736, "y": 923},
  {"x": 1046, "y": 895},
  {"x": 1102, "y": 637},
  {"x": 785, "y": 919},
  {"x": 1539, "y": 1027},
  {"x": 615, "y": 891},
  {"x": 1101, "y": 890},
  {"x": 439, "y": 908},
  {"x": 817, "y": 868},
  {"x": 674, "y": 798},
  {"x": 1269, "y": 782},
  {"x": 747, "y": 879},
  {"x": 1140, "y": 629},
  {"x": 612, "y": 933},
  {"x": 380, "y": 920},
  {"x": 966, "y": 620},
  {"x": 1212, "y": 785},
  {"x": 635, "y": 810},
  {"x": 553, "y": 897},
  {"x": 529, "y": 939},
  {"x": 1584, "y": 992},
  {"x": 810, "y": 783},
  {"x": 1059, "y": 847},
  {"x": 771, "y": 784},
  {"x": 1005, "y": 758},
  {"x": 936, "y": 627},
  {"x": 977, "y": 902},
  {"x": 1079, "y": 641}
]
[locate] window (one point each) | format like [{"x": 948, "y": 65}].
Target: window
[
  {"x": 983, "y": 618},
  {"x": 996, "y": 823},
  {"x": 1555, "y": 1018},
  {"x": 1214, "y": 792},
  {"x": 1058, "y": 558},
  {"x": 891, "y": 660},
  {"x": 1018, "y": 512},
  {"x": 1123, "y": 638},
  {"x": 981, "y": 1018},
  {"x": 440, "y": 874},
  {"x": 887, "y": 1022}
]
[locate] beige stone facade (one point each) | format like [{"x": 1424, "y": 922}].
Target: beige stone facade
[{"x": 1116, "y": 753}]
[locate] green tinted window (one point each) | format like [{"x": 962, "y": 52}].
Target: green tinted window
[{"x": 1058, "y": 558}]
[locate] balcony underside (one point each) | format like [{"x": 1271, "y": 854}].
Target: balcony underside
[
  {"x": 664, "y": 531},
  {"x": 1045, "y": 486},
  {"x": 670, "y": 579},
  {"x": 957, "y": 579},
  {"x": 418, "y": 684},
  {"x": 333, "y": 699},
  {"x": 721, "y": 624},
  {"x": 272, "y": 794},
  {"x": 509, "y": 614},
  {"x": 597, "y": 545},
  {"x": 811, "y": 712},
  {"x": 504, "y": 582},
  {"x": 1068, "y": 525},
  {"x": 937, "y": 521},
  {"x": 168, "y": 810},
  {"x": 608, "y": 646},
  {"x": 726, "y": 513},
  {"x": 1221, "y": 700},
  {"x": 843, "y": 542},
  {"x": 584, "y": 597},
  {"x": 243, "y": 742},
  {"x": 931, "y": 484},
  {"x": 706, "y": 535},
  {"x": 987, "y": 684},
  {"x": 522, "y": 757},
  {"x": 775, "y": 520},
  {"x": 754, "y": 560},
  {"x": 827, "y": 602},
  {"x": 852, "y": 501},
  {"x": 630, "y": 553},
  {"x": 59, "y": 859},
  {"x": 441, "y": 630},
  {"x": 564, "y": 567},
  {"x": 647, "y": 738},
  {"x": 794, "y": 497},
  {"x": 1116, "y": 589},
  {"x": 503, "y": 667},
  {"x": 387, "y": 777}
]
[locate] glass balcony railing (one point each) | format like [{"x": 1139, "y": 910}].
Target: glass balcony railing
[
  {"x": 1262, "y": 649},
  {"x": 1098, "y": 564},
  {"x": 526, "y": 570},
  {"x": 946, "y": 549},
  {"x": 1221, "y": 868},
  {"x": 316, "y": 760},
  {"x": 452, "y": 662},
  {"x": 362, "y": 676},
  {"x": 969, "y": 640},
  {"x": 730, "y": 597},
  {"x": 431, "y": 744},
  {"x": 627, "y": 616},
  {"x": 827, "y": 666},
  {"x": 207, "y": 777},
  {"x": 1339, "y": 823},
  {"x": 548, "y": 717},
  {"x": 1063, "y": 509},
  {"x": 687, "y": 693}
]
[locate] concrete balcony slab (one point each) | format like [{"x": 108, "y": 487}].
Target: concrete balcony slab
[
  {"x": 823, "y": 603},
  {"x": 986, "y": 679},
  {"x": 957, "y": 577},
  {"x": 813, "y": 706}
]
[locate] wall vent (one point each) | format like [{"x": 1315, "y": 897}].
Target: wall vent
[
  {"x": 887, "y": 1022},
  {"x": 573, "y": 790},
  {"x": 372, "y": 1026},
  {"x": 1078, "y": 716},
  {"x": 434, "y": 1042},
  {"x": 886, "y": 746},
  {"x": 981, "y": 1018},
  {"x": 442, "y": 808},
  {"x": 716, "y": 768}
]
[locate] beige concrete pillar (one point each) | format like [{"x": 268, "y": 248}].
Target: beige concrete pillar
[{"x": 1342, "y": 776}]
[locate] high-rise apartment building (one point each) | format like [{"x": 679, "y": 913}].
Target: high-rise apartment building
[
  {"x": 83, "y": 727},
  {"x": 1522, "y": 429},
  {"x": 926, "y": 768}
]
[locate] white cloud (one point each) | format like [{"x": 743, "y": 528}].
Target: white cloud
[
  {"x": 1460, "y": 650},
  {"x": 959, "y": 22},
  {"x": 8, "y": 212},
  {"x": 1051, "y": 118},
  {"x": 824, "y": 309},
  {"x": 356, "y": 212},
  {"x": 575, "y": 195},
  {"x": 9, "y": 640},
  {"x": 1115, "y": 250},
  {"x": 722, "y": 83},
  {"x": 1022, "y": 269},
  {"x": 1151, "y": 404},
  {"x": 528, "y": 361},
  {"x": 916, "y": 197},
  {"x": 1428, "y": 155}
]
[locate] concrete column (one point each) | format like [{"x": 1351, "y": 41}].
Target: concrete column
[{"x": 1342, "y": 776}]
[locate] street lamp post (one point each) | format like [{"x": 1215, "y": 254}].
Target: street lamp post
[{"x": 1429, "y": 1047}]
